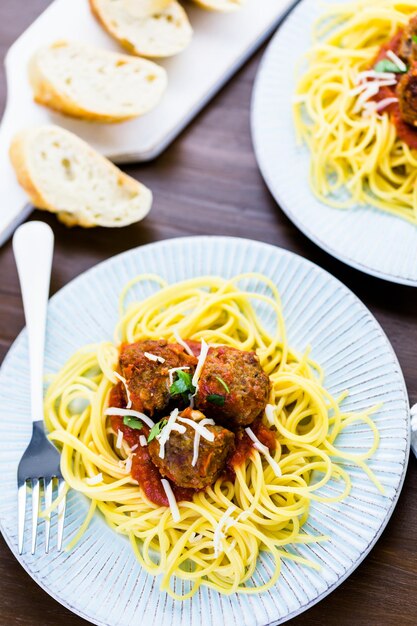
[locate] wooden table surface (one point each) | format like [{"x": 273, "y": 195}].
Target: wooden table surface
[{"x": 207, "y": 182}]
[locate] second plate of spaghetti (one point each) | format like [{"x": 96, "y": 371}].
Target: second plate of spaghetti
[
  {"x": 334, "y": 127},
  {"x": 234, "y": 432}
]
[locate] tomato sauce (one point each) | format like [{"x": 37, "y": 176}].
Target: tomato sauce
[
  {"x": 405, "y": 132},
  {"x": 149, "y": 478},
  {"x": 244, "y": 444}
]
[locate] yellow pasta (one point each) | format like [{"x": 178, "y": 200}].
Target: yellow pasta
[
  {"x": 356, "y": 160},
  {"x": 268, "y": 512}
]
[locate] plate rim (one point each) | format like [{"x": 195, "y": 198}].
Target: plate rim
[
  {"x": 242, "y": 240},
  {"x": 276, "y": 194}
]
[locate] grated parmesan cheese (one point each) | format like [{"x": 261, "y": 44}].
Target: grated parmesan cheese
[
  {"x": 197, "y": 437},
  {"x": 373, "y": 86},
  {"x": 154, "y": 357},
  {"x": 366, "y": 95},
  {"x": 201, "y": 359},
  {"x": 133, "y": 448},
  {"x": 265, "y": 451},
  {"x": 128, "y": 465},
  {"x": 171, "y": 500},
  {"x": 119, "y": 439},
  {"x": 194, "y": 538},
  {"x": 369, "y": 108},
  {"x": 363, "y": 76},
  {"x": 94, "y": 480},
  {"x": 270, "y": 414},
  {"x": 396, "y": 60},
  {"x": 232, "y": 522},
  {"x": 218, "y": 534},
  {"x": 179, "y": 428},
  {"x": 143, "y": 441},
  {"x": 196, "y": 448},
  {"x": 230, "y": 547},
  {"x": 384, "y": 103},
  {"x": 165, "y": 433},
  {"x": 199, "y": 427},
  {"x": 183, "y": 343},
  {"x": 124, "y": 382},
  {"x": 112, "y": 410}
]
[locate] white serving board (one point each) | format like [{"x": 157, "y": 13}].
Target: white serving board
[{"x": 221, "y": 44}]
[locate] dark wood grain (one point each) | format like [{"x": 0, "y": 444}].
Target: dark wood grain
[{"x": 207, "y": 182}]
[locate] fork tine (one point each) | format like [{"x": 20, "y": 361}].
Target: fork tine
[
  {"x": 35, "y": 511},
  {"x": 47, "y": 486},
  {"x": 61, "y": 513},
  {"x": 21, "y": 512}
]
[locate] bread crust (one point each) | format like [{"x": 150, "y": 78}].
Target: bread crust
[
  {"x": 127, "y": 44},
  {"x": 19, "y": 162},
  {"x": 220, "y": 6}
]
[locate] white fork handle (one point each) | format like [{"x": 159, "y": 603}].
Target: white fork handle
[{"x": 33, "y": 245}]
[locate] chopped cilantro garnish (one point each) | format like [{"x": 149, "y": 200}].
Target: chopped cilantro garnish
[
  {"x": 215, "y": 398},
  {"x": 221, "y": 381},
  {"x": 385, "y": 65},
  {"x": 155, "y": 430},
  {"x": 182, "y": 385},
  {"x": 414, "y": 38},
  {"x": 132, "y": 422}
]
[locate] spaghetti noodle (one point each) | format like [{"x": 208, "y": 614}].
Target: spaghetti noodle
[
  {"x": 358, "y": 157},
  {"x": 215, "y": 538}
]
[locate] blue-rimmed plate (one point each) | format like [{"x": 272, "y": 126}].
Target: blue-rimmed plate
[{"x": 100, "y": 579}]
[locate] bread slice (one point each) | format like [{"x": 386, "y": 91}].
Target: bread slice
[
  {"x": 86, "y": 82},
  {"x": 224, "y": 6},
  {"x": 162, "y": 34},
  {"x": 63, "y": 174}
]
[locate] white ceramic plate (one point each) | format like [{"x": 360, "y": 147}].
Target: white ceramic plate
[
  {"x": 220, "y": 45},
  {"x": 101, "y": 580},
  {"x": 366, "y": 238}
]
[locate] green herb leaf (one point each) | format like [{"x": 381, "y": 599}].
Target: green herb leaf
[
  {"x": 221, "y": 381},
  {"x": 414, "y": 38},
  {"x": 155, "y": 430},
  {"x": 215, "y": 398},
  {"x": 132, "y": 422},
  {"x": 385, "y": 65},
  {"x": 183, "y": 384}
]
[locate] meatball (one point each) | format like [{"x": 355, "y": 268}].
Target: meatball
[
  {"x": 179, "y": 452},
  {"x": 233, "y": 389},
  {"x": 147, "y": 379},
  {"x": 407, "y": 96},
  {"x": 407, "y": 49}
]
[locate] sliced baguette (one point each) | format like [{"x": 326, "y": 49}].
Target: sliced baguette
[
  {"x": 86, "y": 82},
  {"x": 63, "y": 174},
  {"x": 223, "y": 6},
  {"x": 162, "y": 34}
]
